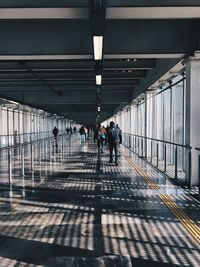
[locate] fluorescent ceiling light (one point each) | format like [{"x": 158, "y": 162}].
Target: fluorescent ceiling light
[
  {"x": 13, "y": 102},
  {"x": 98, "y": 47},
  {"x": 98, "y": 79},
  {"x": 10, "y": 101}
]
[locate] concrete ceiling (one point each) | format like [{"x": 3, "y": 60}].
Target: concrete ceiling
[{"x": 46, "y": 51}]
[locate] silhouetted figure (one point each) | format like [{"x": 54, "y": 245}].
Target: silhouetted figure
[
  {"x": 74, "y": 129},
  {"x": 55, "y": 134},
  {"x": 82, "y": 133},
  {"x": 67, "y": 130},
  {"x": 95, "y": 129},
  {"x": 114, "y": 140}
]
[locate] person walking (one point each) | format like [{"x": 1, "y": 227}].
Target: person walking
[
  {"x": 114, "y": 140},
  {"x": 82, "y": 133},
  {"x": 55, "y": 134},
  {"x": 101, "y": 137}
]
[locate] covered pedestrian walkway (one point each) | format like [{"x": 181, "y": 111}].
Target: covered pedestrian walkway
[
  {"x": 67, "y": 65},
  {"x": 73, "y": 208}
]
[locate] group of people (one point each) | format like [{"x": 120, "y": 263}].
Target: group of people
[
  {"x": 56, "y": 132},
  {"x": 111, "y": 135},
  {"x": 69, "y": 129}
]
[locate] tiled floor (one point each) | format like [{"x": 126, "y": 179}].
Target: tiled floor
[{"x": 76, "y": 209}]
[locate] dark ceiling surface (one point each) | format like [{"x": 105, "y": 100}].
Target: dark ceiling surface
[{"x": 46, "y": 51}]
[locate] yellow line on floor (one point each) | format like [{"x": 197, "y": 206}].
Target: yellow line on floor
[
  {"x": 188, "y": 223},
  {"x": 142, "y": 173}
]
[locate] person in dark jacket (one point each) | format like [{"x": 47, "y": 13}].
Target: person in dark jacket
[
  {"x": 114, "y": 140},
  {"x": 83, "y": 134},
  {"x": 55, "y": 134}
]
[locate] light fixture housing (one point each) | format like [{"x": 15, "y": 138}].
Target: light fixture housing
[
  {"x": 98, "y": 79},
  {"x": 98, "y": 47}
]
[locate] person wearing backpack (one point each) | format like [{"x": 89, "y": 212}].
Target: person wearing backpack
[
  {"x": 83, "y": 134},
  {"x": 114, "y": 140},
  {"x": 101, "y": 137}
]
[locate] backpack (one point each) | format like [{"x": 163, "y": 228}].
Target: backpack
[{"x": 102, "y": 133}]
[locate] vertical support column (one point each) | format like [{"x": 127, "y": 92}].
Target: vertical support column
[
  {"x": 145, "y": 126},
  {"x": 0, "y": 126},
  {"x": 192, "y": 116},
  {"x": 154, "y": 119},
  {"x": 19, "y": 127},
  {"x": 23, "y": 126},
  {"x": 13, "y": 130},
  {"x": 30, "y": 127},
  {"x": 183, "y": 122},
  {"x": 199, "y": 173},
  {"x": 38, "y": 126},
  {"x": 171, "y": 125},
  {"x": 8, "y": 128}
]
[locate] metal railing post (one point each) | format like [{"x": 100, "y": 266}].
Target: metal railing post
[
  {"x": 142, "y": 147},
  {"x": 10, "y": 165},
  {"x": 157, "y": 153},
  {"x": 176, "y": 163},
  {"x": 165, "y": 158},
  {"x": 50, "y": 149},
  {"x": 32, "y": 159},
  {"x": 151, "y": 151},
  {"x": 190, "y": 165},
  {"x": 46, "y": 149},
  {"x": 22, "y": 160},
  {"x": 199, "y": 174},
  {"x": 39, "y": 152}
]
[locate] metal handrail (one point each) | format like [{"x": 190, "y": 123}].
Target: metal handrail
[
  {"x": 158, "y": 140},
  {"x": 140, "y": 146},
  {"x": 31, "y": 142},
  {"x": 50, "y": 146},
  {"x": 32, "y": 133}
]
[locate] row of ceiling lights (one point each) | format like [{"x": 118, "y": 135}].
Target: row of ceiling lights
[{"x": 98, "y": 54}]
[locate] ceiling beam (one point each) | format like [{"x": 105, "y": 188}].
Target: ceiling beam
[
  {"x": 73, "y": 98},
  {"x": 172, "y": 12},
  {"x": 76, "y": 66},
  {"x": 151, "y": 36},
  {"x": 34, "y": 39},
  {"x": 152, "y": 3},
  {"x": 19, "y": 83},
  {"x": 86, "y": 89},
  {"x": 34, "y": 75},
  {"x": 44, "y": 13},
  {"x": 82, "y": 13}
]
